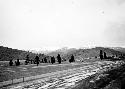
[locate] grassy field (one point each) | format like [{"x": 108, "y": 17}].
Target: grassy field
[{"x": 16, "y": 72}]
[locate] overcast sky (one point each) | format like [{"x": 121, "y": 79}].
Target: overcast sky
[{"x": 51, "y": 24}]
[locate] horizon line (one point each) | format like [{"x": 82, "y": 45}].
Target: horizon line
[{"x": 54, "y": 49}]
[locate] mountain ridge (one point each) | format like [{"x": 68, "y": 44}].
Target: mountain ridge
[{"x": 65, "y": 52}]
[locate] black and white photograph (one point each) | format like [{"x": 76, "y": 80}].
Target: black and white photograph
[{"x": 62, "y": 44}]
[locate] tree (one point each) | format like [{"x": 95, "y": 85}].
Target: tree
[
  {"x": 52, "y": 59},
  {"x": 59, "y": 59},
  {"x": 72, "y": 59},
  {"x": 101, "y": 54},
  {"x": 17, "y": 62},
  {"x": 27, "y": 59},
  {"x": 37, "y": 60},
  {"x": 105, "y": 55},
  {"x": 45, "y": 60},
  {"x": 11, "y": 62}
]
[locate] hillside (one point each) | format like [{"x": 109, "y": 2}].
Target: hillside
[
  {"x": 8, "y": 53},
  {"x": 93, "y": 52}
]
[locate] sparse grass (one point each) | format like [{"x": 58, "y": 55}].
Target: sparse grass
[
  {"x": 15, "y": 72},
  {"x": 114, "y": 79}
]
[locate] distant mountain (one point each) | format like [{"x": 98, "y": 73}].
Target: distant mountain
[
  {"x": 40, "y": 51},
  {"x": 8, "y": 53},
  {"x": 121, "y": 49},
  {"x": 63, "y": 51}
]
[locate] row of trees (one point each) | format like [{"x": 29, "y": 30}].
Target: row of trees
[
  {"x": 102, "y": 55},
  {"x": 37, "y": 60},
  {"x": 44, "y": 60},
  {"x": 52, "y": 59},
  {"x": 17, "y": 63}
]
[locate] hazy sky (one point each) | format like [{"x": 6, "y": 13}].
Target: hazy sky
[{"x": 50, "y": 24}]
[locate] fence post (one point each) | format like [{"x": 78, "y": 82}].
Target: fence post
[
  {"x": 23, "y": 79},
  {"x": 12, "y": 80}
]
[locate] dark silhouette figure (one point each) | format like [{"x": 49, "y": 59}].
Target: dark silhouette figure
[
  {"x": 37, "y": 60},
  {"x": 17, "y": 62},
  {"x": 27, "y": 59},
  {"x": 101, "y": 54},
  {"x": 52, "y": 59},
  {"x": 11, "y": 63},
  {"x": 72, "y": 59},
  {"x": 105, "y": 57},
  {"x": 59, "y": 59}
]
